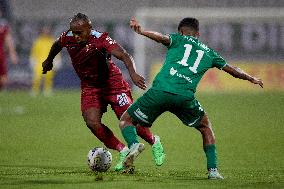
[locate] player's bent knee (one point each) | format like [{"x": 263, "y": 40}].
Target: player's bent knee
[
  {"x": 125, "y": 120},
  {"x": 93, "y": 126},
  {"x": 92, "y": 123},
  {"x": 92, "y": 118}
]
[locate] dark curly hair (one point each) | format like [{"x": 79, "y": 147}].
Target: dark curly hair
[{"x": 192, "y": 23}]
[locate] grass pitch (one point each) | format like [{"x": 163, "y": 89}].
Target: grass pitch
[{"x": 44, "y": 143}]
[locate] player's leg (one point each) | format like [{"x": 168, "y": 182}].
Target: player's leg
[
  {"x": 128, "y": 130},
  {"x": 92, "y": 117},
  {"x": 93, "y": 107},
  {"x": 144, "y": 111},
  {"x": 3, "y": 81},
  {"x": 192, "y": 114},
  {"x": 36, "y": 80},
  {"x": 48, "y": 83},
  {"x": 3, "y": 74},
  {"x": 209, "y": 147},
  {"x": 158, "y": 151},
  {"x": 119, "y": 103},
  {"x": 155, "y": 142}
]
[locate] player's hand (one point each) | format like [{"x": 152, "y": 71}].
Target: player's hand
[
  {"x": 257, "y": 81},
  {"x": 138, "y": 80},
  {"x": 46, "y": 66},
  {"x": 135, "y": 26}
]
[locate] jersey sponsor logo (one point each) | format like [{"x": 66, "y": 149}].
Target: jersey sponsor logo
[
  {"x": 122, "y": 99},
  {"x": 175, "y": 72},
  {"x": 142, "y": 116}
]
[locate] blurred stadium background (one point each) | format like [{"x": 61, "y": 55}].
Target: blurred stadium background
[
  {"x": 248, "y": 33},
  {"x": 44, "y": 141}
]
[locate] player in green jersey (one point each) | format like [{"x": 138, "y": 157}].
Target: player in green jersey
[{"x": 173, "y": 89}]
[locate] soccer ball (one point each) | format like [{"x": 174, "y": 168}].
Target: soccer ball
[{"x": 99, "y": 159}]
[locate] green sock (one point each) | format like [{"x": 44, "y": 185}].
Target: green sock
[
  {"x": 130, "y": 135},
  {"x": 211, "y": 155}
]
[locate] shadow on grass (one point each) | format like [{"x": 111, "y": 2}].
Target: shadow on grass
[
  {"x": 44, "y": 175},
  {"x": 32, "y": 169},
  {"x": 54, "y": 181}
]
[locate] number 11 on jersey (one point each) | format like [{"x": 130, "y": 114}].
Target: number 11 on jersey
[{"x": 186, "y": 55}]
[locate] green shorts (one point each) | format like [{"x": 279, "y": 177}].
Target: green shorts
[{"x": 153, "y": 103}]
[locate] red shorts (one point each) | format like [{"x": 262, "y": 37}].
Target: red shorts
[{"x": 100, "y": 98}]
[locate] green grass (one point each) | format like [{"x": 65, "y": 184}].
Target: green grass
[{"x": 44, "y": 143}]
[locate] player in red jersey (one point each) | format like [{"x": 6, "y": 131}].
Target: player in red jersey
[
  {"x": 102, "y": 82},
  {"x": 5, "y": 41}
]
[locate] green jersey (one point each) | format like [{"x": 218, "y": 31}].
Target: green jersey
[{"x": 186, "y": 62}]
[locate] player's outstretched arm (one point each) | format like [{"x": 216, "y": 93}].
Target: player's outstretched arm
[
  {"x": 238, "y": 73},
  {"x": 48, "y": 63},
  {"x": 156, "y": 36},
  {"x": 122, "y": 55}
]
